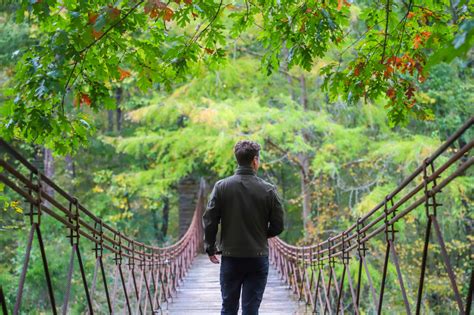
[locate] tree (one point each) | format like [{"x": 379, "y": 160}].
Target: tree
[{"x": 82, "y": 48}]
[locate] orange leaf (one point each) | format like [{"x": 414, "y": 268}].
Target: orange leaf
[
  {"x": 96, "y": 34},
  {"x": 391, "y": 93},
  {"x": 84, "y": 99},
  {"x": 410, "y": 15},
  {"x": 123, "y": 73},
  {"x": 188, "y": 1},
  {"x": 92, "y": 17},
  {"x": 113, "y": 12},
  {"x": 340, "y": 3},
  {"x": 168, "y": 14},
  {"x": 410, "y": 92},
  {"x": 426, "y": 34},
  {"x": 357, "y": 69},
  {"x": 154, "y": 13},
  {"x": 388, "y": 71},
  {"x": 417, "y": 41}
]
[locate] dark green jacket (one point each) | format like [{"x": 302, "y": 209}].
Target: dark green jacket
[{"x": 249, "y": 211}]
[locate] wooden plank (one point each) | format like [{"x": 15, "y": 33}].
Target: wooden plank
[{"x": 200, "y": 293}]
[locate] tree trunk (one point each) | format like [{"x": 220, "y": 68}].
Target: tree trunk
[
  {"x": 70, "y": 167},
  {"x": 71, "y": 172},
  {"x": 111, "y": 120},
  {"x": 305, "y": 191},
  {"x": 48, "y": 171},
  {"x": 305, "y": 163},
  {"x": 284, "y": 67},
  {"x": 156, "y": 225},
  {"x": 119, "y": 119},
  {"x": 304, "y": 93},
  {"x": 118, "y": 98},
  {"x": 188, "y": 188},
  {"x": 165, "y": 217}
]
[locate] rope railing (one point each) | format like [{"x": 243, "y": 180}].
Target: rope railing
[
  {"x": 311, "y": 273},
  {"x": 146, "y": 275}
]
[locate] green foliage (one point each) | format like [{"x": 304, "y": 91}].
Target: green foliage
[
  {"x": 13, "y": 37},
  {"x": 188, "y": 96},
  {"x": 82, "y": 50}
]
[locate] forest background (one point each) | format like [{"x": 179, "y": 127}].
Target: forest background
[{"x": 343, "y": 109}]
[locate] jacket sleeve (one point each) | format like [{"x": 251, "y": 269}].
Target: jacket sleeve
[
  {"x": 210, "y": 221},
  {"x": 275, "y": 225}
]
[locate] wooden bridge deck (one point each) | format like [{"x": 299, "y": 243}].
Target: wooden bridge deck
[{"x": 200, "y": 293}]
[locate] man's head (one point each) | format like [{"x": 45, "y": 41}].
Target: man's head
[{"x": 247, "y": 153}]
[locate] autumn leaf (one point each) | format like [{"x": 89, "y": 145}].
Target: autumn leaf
[
  {"x": 417, "y": 41},
  {"x": 409, "y": 93},
  {"x": 426, "y": 35},
  {"x": 92, "y": 17},
  {"x": 388, "y": 71},
  {"x": 123, "y": 73},
  {"x": 357, "y": 69},
  {"x": 113, "y": 12},
  {"x": 391, "y": 93},
  {"x": 410, "y": 15},
  {"x": 96, "y": 34},
  {"x": 154, "y": 13},
  {"x": 209, "y": 51},
  {"x": 82, "y": 98},
  {"x": 188, "y": 2},
  {"x": 168, "y": 14},
  {"x": 340, "y": 3}
]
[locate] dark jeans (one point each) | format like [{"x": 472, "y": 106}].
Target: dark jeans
[{"x": 246, "y": 274}]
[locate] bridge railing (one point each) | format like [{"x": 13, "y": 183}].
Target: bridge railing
[
  {"x": 146, "y": 275},
  {"x": 320, "y": 274}
]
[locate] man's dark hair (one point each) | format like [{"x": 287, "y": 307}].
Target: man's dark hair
[{"x": 245, "y": 151}]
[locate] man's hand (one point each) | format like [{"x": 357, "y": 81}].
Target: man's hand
[{"x": 214, "y": 259}]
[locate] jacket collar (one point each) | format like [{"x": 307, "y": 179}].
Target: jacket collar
[{"x": 244, "y": 170}]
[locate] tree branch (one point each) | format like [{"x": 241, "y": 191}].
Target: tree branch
[
  {"x": 112, "y": 26},
  {"x": 387, "y": 16}
]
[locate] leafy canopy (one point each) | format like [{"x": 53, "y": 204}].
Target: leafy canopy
[{"x": 84, "y": 49}]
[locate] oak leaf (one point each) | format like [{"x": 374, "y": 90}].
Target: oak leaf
[
  {"x": 168, "y": 14},
  {"x": 97, "y": 34},
  {"x": 123, "y": 73},
  {"x": 92, "y": 17},
  {"x": 417, "y": 41},
  {"x": 391, "y": 93}
]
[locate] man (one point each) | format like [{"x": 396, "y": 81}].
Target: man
[{"x": 249, "y": 211}]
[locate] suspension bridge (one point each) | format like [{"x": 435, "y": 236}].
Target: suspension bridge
[{"x": 331, "y": 277}]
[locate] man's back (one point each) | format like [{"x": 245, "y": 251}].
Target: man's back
[{"x": 249, "y": 211}]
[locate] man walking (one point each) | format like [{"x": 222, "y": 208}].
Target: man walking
[{"x": 249, "y": 211}]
